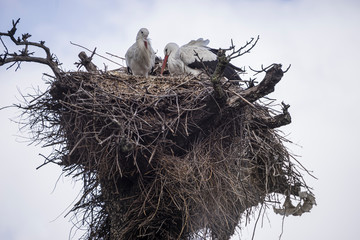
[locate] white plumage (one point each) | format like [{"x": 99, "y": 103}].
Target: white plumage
[
  {"x": 140, "y": 57},
  {"x": 179, "y": 59},
  {"x": 186, "y": 59}
]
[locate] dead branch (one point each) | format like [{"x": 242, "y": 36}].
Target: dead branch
[
  {"x": 217, "y": 75},
  {"x": 113, "y": 55},
  {"x": 242, "y": 50},
  {"x": 255, "y": 92},
  {"x": 223, "y": 61},
  {"x": 205, "y": 69},
  {"x": 266, "y": 86},
  {"x": 25, "y": 55},
  {"x": 276, "y": 121},
  {"x": 78, "y": 45},
  {"x": 86, "y": 62}
]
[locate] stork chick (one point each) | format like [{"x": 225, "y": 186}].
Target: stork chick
[
  {"x": 193, "y": 58},
  {"x": 140, "y": 57}
]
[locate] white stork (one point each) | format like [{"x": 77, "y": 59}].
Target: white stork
[
  {"x": 186, "y": 59},
  {"x": 140, "y": 57}
]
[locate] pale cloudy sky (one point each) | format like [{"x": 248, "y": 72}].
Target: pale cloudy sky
[{"x": 319, "y": 38}]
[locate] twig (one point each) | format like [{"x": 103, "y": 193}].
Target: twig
[
  {"x": 287, "y": 69},
  {"x": 242, "y": 50},
  {"x": 242, "y": 98},
  {"x": 282, "y": 226},
  {"x": 206, "y": 69},
  {"x": 6, "y": 49},
  {"x": 96, "y": 53},
  {"x": 262, "y": 69},
  {"x": 256, "y": 222},
  {"x": 113, "y": 55}
]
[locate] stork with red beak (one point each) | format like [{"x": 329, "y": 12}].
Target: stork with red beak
[
  {"x": 140, "y": 57},
  {"x": 194, "y": 58}
]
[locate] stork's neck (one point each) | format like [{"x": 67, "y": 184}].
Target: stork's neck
[
  {"x": 173, "y": 49},
  {"x": 146, "y": 44},
  {"x": 143, "y": 43}
]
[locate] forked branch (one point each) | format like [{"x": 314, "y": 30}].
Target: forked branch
[
  {"x": 24, "y": 55},
  {"x": 242, "y": 50},
  {"x": 266, "y": 86}
]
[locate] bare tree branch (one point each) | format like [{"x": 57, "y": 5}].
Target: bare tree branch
[
  {"x": 113, "y": 55},
  {"x": 277, "y": 121},
  {"x": 242, "y": 50},
  {"x": 86, "y": 62},
  {"x": 78, "y": 45},
  {"x": 223, "y": 61},
  {"x": 217, "y": 75},
  {"x": 25, "y": 55},
  {"x": 266, "y": 86}
]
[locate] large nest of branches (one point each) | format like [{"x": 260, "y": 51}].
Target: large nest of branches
[{"x": 166, "y": 157}]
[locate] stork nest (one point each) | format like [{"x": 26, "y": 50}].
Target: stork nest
[{"x": 161, "y": 158}]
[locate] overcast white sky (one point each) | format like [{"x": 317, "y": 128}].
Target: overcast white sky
[{"x": 319, "y": 38}]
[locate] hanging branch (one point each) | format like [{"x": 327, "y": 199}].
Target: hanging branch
[{"x": 25, "y": 55}]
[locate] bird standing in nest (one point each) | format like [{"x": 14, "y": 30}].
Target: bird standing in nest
[
  {"x": 195, "y": 57},
  {"x": 140, "y": 57}
]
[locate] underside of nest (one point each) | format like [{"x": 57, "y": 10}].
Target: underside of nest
[{"x": 162, "y": 158}]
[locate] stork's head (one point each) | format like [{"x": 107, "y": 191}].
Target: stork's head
[
  {"x": 169, "y": 49},
  {"x": 143, "y": 36}
]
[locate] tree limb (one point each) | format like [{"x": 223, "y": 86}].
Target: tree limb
[
  {"x": 94, "y": 53},
  {"x": 217, "y": 75},
  {"x": 276, "y": 121},
  {"x": 265, "y": 87},
  {"x": 242, "y": 50},
  {"x": 24, "y": 55},
  {"x": 86, "y": 62}
]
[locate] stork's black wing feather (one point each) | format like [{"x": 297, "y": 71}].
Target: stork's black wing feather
[
  {"x": 213, "y": 50},
  {"x": 205, "y": 65},
  {"x": 230, "y": 71}
]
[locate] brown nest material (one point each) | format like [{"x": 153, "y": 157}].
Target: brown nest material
[{"x": 163, "y": 158}]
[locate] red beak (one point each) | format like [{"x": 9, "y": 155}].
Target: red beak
[
  {"x": 145, "y": 42},
  {"x": 164, "y": 64}
]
